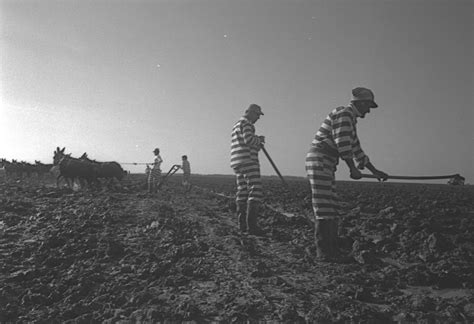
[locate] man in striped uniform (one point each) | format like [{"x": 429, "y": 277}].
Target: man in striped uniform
[
  {"x": 244, "y": 161},
  {"x": 155, "y": 172},
  {"x": 336, "y": 138}
]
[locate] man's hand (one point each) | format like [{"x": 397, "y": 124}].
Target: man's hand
[
  {"x": 380, "y": 175},
  {"x": 262, "y": 139},
  {"x": 355, "y": 174}
]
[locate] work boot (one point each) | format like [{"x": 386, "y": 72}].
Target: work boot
[
  {"x": 252, "y": 217},
  {"x": 242, "y": 215},
  {"x": 325, "y": 235}
]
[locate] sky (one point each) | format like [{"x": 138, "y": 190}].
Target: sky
[{"x": 117, "y": 79}]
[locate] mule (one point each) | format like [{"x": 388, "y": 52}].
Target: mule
[
  {"x": 72, "y": 168},
  {"x": 106, "y": 170}
]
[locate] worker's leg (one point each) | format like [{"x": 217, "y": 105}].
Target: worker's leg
[
  {"x": 187, "y": 182},
  {"x": 251, "y": 172},
  {"x": 153, "y": 180},
  {"x": 241, "y": 199},
  {"x": 334, "y": 193},
  {"x": 150, "y": 183},
  {"x": 320, "y": 170}
]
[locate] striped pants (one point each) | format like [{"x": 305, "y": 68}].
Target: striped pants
[
  {"x": 153, "y": 178},
  {"x": 249, "y": 184},
  {"x": 320, "y": 168}
]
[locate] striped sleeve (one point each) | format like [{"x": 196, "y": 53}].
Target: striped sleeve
[
  {"x": 245, "y": 144},
  {"x": 342, "y": 129},
  {"x": 324, "y": 131},
  {"x": 359, "y": 154},
  {"x": 248, "y": 132}
]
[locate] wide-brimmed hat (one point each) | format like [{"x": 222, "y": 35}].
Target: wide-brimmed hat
[
  {"x": 363, "y": 94},
  {"x": 254, "y": 108}
]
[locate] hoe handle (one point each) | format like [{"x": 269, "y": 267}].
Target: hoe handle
[
  {"x": 371, "y": 176},
  {"x": 274, "y": 166}
]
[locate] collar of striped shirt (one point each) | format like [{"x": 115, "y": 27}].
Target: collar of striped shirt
[
  {"x": 355, "y": 111},
  {"x": 246, "y": 119}
]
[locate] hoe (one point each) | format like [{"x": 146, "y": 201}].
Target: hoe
[
  {"x": 275, "y": 167},
  {"x": 453, "y": 177}
]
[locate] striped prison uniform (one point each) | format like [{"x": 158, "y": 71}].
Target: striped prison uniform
[
  {"x": 155, "y": 172},
  {"x": 337, "y": 137},
  {"x": 244, "y": 161}
]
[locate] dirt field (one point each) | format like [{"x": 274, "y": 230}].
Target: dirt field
[{"x": 120, "y": 255}]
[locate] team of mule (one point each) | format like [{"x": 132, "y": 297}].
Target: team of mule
[
  {"x": 85, "y": 170},
  {"x": 21, "y": 170}
]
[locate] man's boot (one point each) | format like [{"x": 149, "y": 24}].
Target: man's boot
[
  {"x": 242, "y": 215},
  {"x": 252, "y": 217},
  {"x": 325, "y": 235}
]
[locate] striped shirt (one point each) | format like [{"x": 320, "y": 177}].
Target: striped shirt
[
  {"x": 157, "y": 163},
  {"x": 245, "y": 144},
  {"x": 339, "y": 132}
]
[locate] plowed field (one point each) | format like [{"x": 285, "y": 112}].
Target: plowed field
[{"x": 121, "y": 255}]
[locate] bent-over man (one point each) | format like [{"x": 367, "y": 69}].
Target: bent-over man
[{"x": 336, "y": 138}]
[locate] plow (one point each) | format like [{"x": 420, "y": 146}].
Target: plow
[{"x": 171, "y": 171}]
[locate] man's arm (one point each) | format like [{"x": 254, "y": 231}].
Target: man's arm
[
  {"x": 364, "y": 162},
  {"x": 361, "y": 158},
  {"x": 355, "y": 173},
  {"x": 342, "y": 135},
  {"x": 249, "y": 136}
]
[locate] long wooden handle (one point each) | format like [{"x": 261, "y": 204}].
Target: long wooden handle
[
  {"x": 371, "y": 176},
  {"x": 274, "y": 166}
]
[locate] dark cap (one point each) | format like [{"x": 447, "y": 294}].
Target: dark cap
[
  {"x": 254, "y": 108},
  {"x": 363, "y": 94}
]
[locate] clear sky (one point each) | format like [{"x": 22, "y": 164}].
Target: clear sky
[{"x": 116, "y": 79}]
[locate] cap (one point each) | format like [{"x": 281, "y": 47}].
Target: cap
[
  {"x": 359, "y": 94},
  {"x": 254, "y": 108},
  {"x": 156, "y": 150}
]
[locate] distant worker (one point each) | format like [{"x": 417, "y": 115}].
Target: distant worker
[
  {"x": 155, "y": 172},
  {"x": 336, "y": 138},
  {"x": 457, "y": 180},
  {"x": 244, "y": 161},
  {"x": 186, "y": 172}
]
